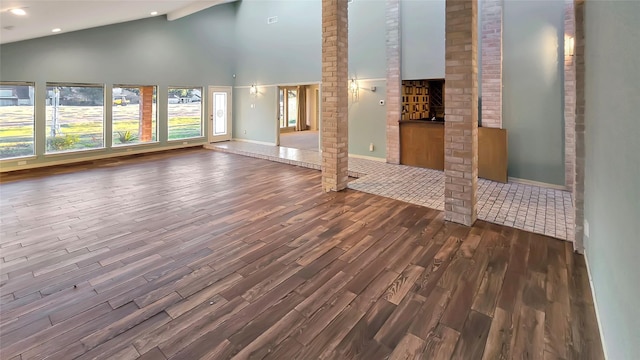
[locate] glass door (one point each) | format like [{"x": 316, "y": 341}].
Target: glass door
[
  {"x": 288, "y": 107},
  {"x": 220, "y": 114}
]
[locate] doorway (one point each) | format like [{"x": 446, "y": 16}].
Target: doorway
[
  {"x": 220, "y": 114},
  {"x": 298, "y": 116}
]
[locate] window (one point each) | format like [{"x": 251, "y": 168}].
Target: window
[
  {"x": 134, "y": 115},
  {"x": 288, "y": 107},
  {"x": 75, "y": 117},
  {"x": 17, "y": 120},
  {"x": 185, "y": 113}
]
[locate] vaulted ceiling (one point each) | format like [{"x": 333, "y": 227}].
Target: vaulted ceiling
[{"x": 42, "y": 16}]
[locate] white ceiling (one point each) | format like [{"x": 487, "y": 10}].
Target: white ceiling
[{"x": 71, "y": 15}]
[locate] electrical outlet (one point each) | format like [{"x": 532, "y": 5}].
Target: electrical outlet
[
  {"x": 371, "y": 147},
  {"x": 253, "y": 106},
  {"x": 245, "y": 132}
]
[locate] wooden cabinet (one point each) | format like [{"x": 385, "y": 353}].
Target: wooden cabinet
[{"x": 422, "y": 144}]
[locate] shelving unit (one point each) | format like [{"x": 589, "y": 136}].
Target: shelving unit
[{"x": 415, "y": 99}]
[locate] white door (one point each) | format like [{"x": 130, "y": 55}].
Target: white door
[{"x": 219, "y": 113}]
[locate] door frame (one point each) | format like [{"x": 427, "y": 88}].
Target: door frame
[
  {"x": 229, "y": 135},
  {"x": 319, "y": 109}
]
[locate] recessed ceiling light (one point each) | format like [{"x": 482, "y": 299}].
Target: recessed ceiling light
[
  {"x": 154, "y": 13},
  {"x": 18, "y": 12},
  {"x": 56, "y": 30}
]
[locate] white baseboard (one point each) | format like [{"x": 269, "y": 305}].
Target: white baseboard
[
  {"x": 595, "y": 305},
  {"x": 255, "y": 142},
  {"x": 129, "y": 151},
  {"x": 368, "y": 158},
  {"x": 537, "y": 183}
]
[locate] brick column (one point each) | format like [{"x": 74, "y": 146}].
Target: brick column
[
  {"x": 569, "y": 98},
  {"x": 492, "y": 63},
  {"x": 145, "y": 129},
  {"x": 578, "y": 190},
  {"x": 335, "y": 96},
  {"x": 461, "y": 112},
  {"x": 394, "y": 80}
]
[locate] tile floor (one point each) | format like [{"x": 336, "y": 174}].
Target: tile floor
[{"x": 531, "y": 208}]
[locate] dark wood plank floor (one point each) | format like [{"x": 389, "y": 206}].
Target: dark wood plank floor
[{"x": 206, "y": 255}]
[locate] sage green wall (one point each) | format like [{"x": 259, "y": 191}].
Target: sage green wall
[
  {"x": 533, "y": 76},
  {"x": 612, "y": 172},
  {"x": 423, "y": 39},
  {"x": 193, "y": 51},
  {"x": 290, "y": 51},
  {"x": 255, "y": 115},
  {"x": 367, "y": 120}
]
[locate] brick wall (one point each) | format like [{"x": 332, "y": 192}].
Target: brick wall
[
  {"x": 492, "y": 11},
  {"x": 569, "y": 99},
  {"x": 394, "y": 80},
  {"x": 334, "y": 95},
  {"x": 461, "y": 111},
  {"x": 145, "y": 129}
]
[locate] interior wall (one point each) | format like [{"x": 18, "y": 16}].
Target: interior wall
[
  {"x": 296, "y": 38},
  {"x": 423, "y": 39},
  {"x": 193, "y": 51},
  {"x": 533, "y": 89},
  {"x": 612, "y": 170},
  {"x": 367, "y": 120}
]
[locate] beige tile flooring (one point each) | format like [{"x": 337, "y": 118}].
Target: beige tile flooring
[{"x": 531, "y": 208}]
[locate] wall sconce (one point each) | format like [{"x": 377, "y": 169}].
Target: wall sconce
[
  {"x": 253, "y": 90},
  {"x": 568, "y": 45},
  {"x": 353, "y": 86}
]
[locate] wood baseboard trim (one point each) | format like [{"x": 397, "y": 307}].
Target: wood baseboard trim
[{"x": 100, "y": 156}]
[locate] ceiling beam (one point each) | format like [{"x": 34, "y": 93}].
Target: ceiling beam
[{"x": 193, "y": 8}]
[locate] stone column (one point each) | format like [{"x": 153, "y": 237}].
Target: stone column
[
  {"x": 569, "y": 97},
  {"x": 394, "y": 80},
  {"x": 492, "y": 63},
  {"x": 461, "y": 112},
  {"x": 578, "y": 190},
  {"x": 335, "y": 151}
]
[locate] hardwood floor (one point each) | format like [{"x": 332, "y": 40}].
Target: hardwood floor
[{"x": 206, "y": 255}]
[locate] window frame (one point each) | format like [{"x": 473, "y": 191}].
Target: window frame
[
  {"x": 34, "y": 154},
  {"x": 104, "y": 117},
  {"x": 202, "y": 113},
  {"x": 156, "y": 119}
]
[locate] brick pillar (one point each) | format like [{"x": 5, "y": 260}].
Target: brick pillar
[
  {"x": 492, "y": 63},
  {"x": 394, "y": 80},
  {"x": 578, "y": 190},
  {"x": 569, "y": 98},
  {"x": 335, "y": 96},
  {"x": 145, "y": 129},
  {"x": 461, "y": 112}
]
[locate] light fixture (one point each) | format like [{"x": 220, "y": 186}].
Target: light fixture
[
  {"x": 568, "y": 45},
  {"x": 18, "y": 12},
  {"x": 353, "y": 86},
  {"x": 154, "y": 13},
  {"x": 253, "y": 90},
  {"x": 56, "y": 30}
]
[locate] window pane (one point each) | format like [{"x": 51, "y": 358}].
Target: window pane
[
  {"x": 75, "y": 117},
  {"x": 292, "y": 108},
  {"x": 185, "y": 113},
  {"x": 17, "y": 117},
  {"x": 134, "y": 115},
  {"x": 220, "y": 113}
]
